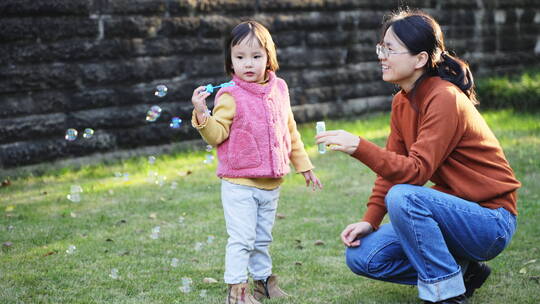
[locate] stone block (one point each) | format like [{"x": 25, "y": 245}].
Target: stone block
[
  {"x": 42, "y": 29},
  {"x": 44, "y": 7}
]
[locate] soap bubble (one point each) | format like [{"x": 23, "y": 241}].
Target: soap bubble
[
  {"x": 155, "y": 233},
  {"x": 71, "y": 249},
  {"x": 208, "y": 148},
  {"x": 76, "y": 189},
  {"x": 71, "y": 134},
  {"x": 156, "y": 108},
  {"x": 88, "y": 133},
  {"x": 175, "y": 122},
  {"x": 209, "y": 159},
  {"x": 153, "y": 114},
  {"x": 210, "y": 239},
  {"x": 161, "y": 91},
  {"x": 114, "y": 274},
  {"x": 174, "y": 262},
  {"x": 75, "y": 193},
  {"x": 186, "y": 285},
  {"x": 151, "y": 160},
  {"x": 74, "y": 197},
  {"x": 160, "y": 180}
]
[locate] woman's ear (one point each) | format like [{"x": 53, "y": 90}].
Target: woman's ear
[{"x": 421, "y": 60}]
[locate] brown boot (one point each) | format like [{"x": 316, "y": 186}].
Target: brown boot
[
  {"x": 268, "y": 289},
  {"x": 239, "y": 294}
]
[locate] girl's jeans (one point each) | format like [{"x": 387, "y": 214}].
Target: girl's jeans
[
  {"x": 249, "y": 216},
  {"x": 430, "y": 235}
]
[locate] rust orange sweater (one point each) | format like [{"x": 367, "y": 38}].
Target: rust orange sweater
[{"x": 438, "y": 135}]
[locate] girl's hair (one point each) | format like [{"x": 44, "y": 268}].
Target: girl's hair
[
  {"x": 251, "y": 30},
  {"x": 420, "y": 32}
]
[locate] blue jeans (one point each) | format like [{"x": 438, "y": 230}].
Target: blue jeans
[{"x": 431, "y": 235}]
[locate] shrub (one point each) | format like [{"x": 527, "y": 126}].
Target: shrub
[{"x": 520, "y": 92}]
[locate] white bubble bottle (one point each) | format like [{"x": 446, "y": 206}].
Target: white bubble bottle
[{"x": 321, "y": 127}]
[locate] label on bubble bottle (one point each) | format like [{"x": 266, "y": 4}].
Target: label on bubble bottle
[{"x": 321, "y": 127}]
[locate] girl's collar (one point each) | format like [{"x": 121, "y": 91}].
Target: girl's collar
[{"x": 257, "y": 88}]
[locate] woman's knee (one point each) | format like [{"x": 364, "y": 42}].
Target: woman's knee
[
  {"x": 398, "y": 197},
  {"x": 356, "y": 260}
]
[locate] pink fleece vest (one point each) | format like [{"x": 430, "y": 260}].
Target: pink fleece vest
[{"x": 259, "y": 143}]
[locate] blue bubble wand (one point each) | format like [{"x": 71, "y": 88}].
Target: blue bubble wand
[{"x": 210, "y": 88}]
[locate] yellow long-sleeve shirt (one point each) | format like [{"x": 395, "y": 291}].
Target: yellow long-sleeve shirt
[{"x": 216, "y": 128}]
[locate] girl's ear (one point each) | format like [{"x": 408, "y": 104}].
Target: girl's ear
[{"x": 421, "y": 60}]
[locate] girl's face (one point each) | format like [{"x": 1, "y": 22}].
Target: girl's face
[
  {"x": 398, "y": 65},
  {"x": 249, "y": 60}
]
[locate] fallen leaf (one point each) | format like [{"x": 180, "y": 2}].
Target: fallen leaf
[
  {"x": 44, "y": 193},
  {"x": 7, "y": 244},
  {"x": 6, "y": 183},
  {"x": 184, "y": 173},
  {"x": 153, "y": 215},
  {"x": 109, "y": 240},
  {"x": 209, "y": 280},
  {"x": 529, "y": 262},
  {"x": 523, "y": 270},
  {"x": 319, "y": 243},
  {"x": 281, "y": 216},
  {"x": 50, "y": 253},
  {"x": 120, "y": 222},
  {"x": 298, "y": 263},
  {"x": 73, "y": 214}
]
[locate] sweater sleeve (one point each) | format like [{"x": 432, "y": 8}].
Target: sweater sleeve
[
  {"x": 438, "y": 129},
  {"x": 376, "y": 207},
  {"x": 215, "y": 129},
  {"x": 299, "y": 157}
]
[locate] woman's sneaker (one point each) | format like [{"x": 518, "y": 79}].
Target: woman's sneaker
[{"x": 475, "y": 276}]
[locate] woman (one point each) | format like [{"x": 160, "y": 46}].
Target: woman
[{"x": 436, "y": 236}]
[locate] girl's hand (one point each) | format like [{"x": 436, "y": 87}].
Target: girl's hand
[
  {"x": 199, "y": 99},
  {"x": 311, "y": 178},
  {"x": 339, "y": 140},
  {"x": 351, "y": 234}
]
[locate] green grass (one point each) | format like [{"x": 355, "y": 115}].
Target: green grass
[{"x": 111, "y": 228}]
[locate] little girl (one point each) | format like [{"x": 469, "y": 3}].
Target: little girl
[{"x": 255, "y": 133}]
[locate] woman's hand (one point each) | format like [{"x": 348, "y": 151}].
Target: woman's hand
[
  {"x": 311, "y": 178},
  {"x": 339, "y": 140},
  {"x": 350, "y": 235}
]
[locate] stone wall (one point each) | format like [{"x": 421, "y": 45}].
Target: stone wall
[{"x": 95, "y": 63}]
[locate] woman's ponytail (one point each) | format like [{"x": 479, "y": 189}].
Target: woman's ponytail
[{"x": 457, "y": 71}]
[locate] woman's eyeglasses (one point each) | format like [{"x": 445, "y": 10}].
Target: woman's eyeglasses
[{"x": 386, "y": 52}]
